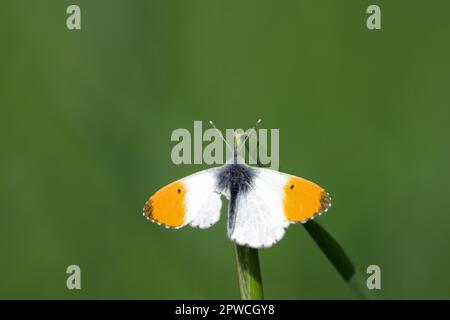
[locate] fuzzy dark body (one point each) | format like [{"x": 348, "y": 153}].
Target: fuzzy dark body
[{"x": 237, "y": 179}]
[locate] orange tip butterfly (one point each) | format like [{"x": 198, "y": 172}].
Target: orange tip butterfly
[{"x": 262, "y": 202}]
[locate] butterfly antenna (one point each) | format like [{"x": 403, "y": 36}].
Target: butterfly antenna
[
  {"x": 250, "y": 132},
  {"x": 220, "y": 134}
]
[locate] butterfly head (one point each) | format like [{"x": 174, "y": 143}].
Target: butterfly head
[{"x": 239, "y": 140}]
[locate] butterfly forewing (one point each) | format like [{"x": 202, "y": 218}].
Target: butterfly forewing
[{"x": 194, "y": 200}]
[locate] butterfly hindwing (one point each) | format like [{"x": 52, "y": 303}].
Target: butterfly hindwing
[
  {"x": 193, "y": 200},
  {"x": 258, "y": 217}
]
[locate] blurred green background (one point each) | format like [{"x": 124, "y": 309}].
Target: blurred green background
[{"x": 86, "y": 118}]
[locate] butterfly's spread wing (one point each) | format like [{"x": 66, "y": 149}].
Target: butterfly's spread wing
[
  {"x": 193, "y": 200},
  {"x": 272, "y": 202}
]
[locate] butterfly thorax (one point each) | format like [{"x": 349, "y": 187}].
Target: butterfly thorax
[{"x": 235, "y": 178}]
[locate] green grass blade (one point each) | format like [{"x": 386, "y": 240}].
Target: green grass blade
[
  {"x": 250, "y": 283},
  {"x": 338, "y": 257}
]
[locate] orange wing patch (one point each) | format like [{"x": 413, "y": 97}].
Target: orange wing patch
[
  {"x": 303, "y": 200},
  {"x": 167, "y": 206}
]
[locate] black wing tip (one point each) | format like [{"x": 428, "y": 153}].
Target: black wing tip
[
  {"x": 148, "y": 209},
  {"x": 325, "y": 201}
]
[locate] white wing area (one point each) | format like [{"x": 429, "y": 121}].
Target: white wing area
[
  {"x": 203, "y": 201},
  {"x": 259, "y": 218}
]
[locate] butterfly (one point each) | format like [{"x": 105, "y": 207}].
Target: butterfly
[{"x": 262, "y": 202}]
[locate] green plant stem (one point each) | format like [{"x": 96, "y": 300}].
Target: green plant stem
[{"x": 249, "y": 273}]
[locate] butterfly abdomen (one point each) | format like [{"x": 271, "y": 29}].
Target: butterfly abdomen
[{"x": 235, "y": 179}]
